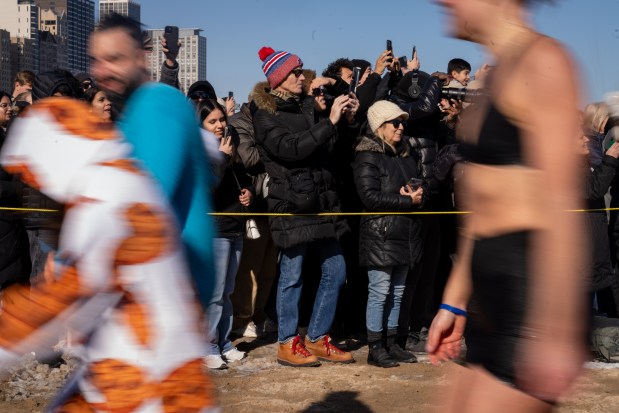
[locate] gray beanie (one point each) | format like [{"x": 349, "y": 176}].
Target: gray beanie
[{"x": 383, "y": 111}]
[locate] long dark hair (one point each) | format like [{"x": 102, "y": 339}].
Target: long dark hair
[
  {"x": 90, "y": 94},
  {"x": 207, "y": 106}
]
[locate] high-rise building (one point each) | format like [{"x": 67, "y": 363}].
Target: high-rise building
[
  {"x": 128, "y": 8},
  {"x": 21, "y": 19},
  {"x": 80, "y": 18},
  {"x": 191, "y": 56},
  {"x": 6, "y": 79},
  {"x": 48, "y": 51},
  {"x": 55, "y": 25}
]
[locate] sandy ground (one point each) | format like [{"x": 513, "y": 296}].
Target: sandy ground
[{"x": 259, "y": 384}]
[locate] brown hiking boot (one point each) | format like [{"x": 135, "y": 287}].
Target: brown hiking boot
[
  {"x": 294, "y": 354},
  {"x": 324, "y": 350}
]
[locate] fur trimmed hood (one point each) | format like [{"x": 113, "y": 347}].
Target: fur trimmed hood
[
  {"x": 263, "y": 99},
  {"x": 374, "y": 144}
]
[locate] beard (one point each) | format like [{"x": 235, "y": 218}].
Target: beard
[{"x": 119, "y": 100}]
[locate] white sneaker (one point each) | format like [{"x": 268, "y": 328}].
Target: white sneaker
[
  {"x": 234, "y": 355},
  {"x": 215, "y": 362},
  {"x": 248, "y": 331}
]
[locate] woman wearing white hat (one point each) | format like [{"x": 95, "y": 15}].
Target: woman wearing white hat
[{"x": 389, "y": 245}]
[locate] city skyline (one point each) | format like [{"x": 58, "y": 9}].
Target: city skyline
[{"x": 327, "y": 30}]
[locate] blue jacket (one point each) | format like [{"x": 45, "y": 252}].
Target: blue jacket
[{"x": 162, "y": 127}]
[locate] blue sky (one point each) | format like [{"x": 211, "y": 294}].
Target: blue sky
[{"x": 320, "y": 31}]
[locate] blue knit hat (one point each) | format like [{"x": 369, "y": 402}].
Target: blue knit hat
[{"x": 278, "y": 65}]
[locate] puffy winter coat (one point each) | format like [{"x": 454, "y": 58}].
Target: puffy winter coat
[
  {"x": 386, "y": 240},
  {"x": 295, "y": 150},
  {"x": 597, "y": 184}
]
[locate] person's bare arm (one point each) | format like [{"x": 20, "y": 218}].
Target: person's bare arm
[
  {"x": 447, "y": 328},
  {"x": 552, "y": 355}
]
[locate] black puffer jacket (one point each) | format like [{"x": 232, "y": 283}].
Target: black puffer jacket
[
  {"x": 597, "y": 184},
  {"x": 14, "y": 247},
  {"x": 386, "y": 240},
  {"x": 295, "y": 150}
]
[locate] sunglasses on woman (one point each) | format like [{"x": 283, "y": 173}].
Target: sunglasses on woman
[{"x": 397, "y": 122}]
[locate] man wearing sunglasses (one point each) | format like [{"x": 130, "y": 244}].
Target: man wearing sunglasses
[{"x": 295, "y": 149}]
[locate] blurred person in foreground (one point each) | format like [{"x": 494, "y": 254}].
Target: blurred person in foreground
[
  {"x": 45, "y": 216},
  {"x": 516, "y": 285},
  {"x": 119, "y": 280},
  {"x": 164, "y": 131}
]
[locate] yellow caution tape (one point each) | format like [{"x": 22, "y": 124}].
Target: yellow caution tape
[{"x": 320, "y": 214}]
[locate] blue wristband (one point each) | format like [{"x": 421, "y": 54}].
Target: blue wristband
[{"x": 455, "y": 310}]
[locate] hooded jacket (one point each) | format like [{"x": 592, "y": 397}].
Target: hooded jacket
[
  {"x": 295, "y": 150},
  {"x": 386, "y": 240}
]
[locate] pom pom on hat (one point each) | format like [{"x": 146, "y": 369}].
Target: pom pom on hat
[
  {"x": 265, "y": 52},
  {"x": 278, "y": 65}
]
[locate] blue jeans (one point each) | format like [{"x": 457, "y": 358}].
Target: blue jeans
[
  {"x": 290, "y": 283},
  {"x": 384, "y": 296},
  {"x": 227, "y": 253}
]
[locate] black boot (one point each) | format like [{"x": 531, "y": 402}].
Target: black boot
[
  {"x": 377, "y": 355},
  {"x": 396, "y": 352}
]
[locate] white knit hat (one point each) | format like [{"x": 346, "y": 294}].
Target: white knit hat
[{"x": 384, "y": 111}]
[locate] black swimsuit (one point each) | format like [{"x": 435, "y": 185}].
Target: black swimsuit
[
  {"x": 499, "y": 265},
  {"x": 498, "y": 143}
]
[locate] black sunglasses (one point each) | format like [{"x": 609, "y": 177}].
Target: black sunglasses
[
  {"x": 297, "y": 72},
  {"x": 199, "y": 95},
  {"x": 397, "y": 122}
]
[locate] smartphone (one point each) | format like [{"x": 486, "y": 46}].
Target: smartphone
[
  {"x": 415, "y": 183},
  {"x": 226, "y": 137},
  {"x": 414, "y": 51},
  {"x": 171, "y": 38},
  {"x": 390, "y": 48},
  {"x": 403, "y": 61},
  {"x": 230, "y": 94},
  {"x": 356, "y": 75}
]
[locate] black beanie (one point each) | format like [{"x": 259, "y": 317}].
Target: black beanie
[
  {"x": 204, "y": 86},
  {"x": 363, "y": 64}
]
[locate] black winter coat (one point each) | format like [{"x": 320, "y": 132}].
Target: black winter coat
[
  {"x": 386, "y": 240},
  {"x": 14, "y": 246},
  {"x": 597, "y": 184},
  {"x": 295, "y": 150}
]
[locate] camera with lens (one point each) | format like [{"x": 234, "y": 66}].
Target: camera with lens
[
  {"x": 463, "y": 94},
  {"x": 321, "y": 90}
]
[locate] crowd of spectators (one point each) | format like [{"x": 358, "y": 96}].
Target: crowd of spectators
[{"x": 339, "y": 161}]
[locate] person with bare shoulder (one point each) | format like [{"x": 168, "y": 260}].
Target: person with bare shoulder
[{"x": 515, "y": 286}]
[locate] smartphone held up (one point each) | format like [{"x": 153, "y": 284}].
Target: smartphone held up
[{"x": 170, "y": 34}]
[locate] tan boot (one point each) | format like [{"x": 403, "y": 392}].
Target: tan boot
[
  {"x": 294, "y": 354},
  {"x": 324, "y": 350}
]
